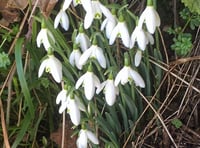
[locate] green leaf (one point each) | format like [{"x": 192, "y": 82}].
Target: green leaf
[
  {"x": 193, "y": 5},
  {"x": 177, "y": 123},
  {"x": 21, "y": 76}
]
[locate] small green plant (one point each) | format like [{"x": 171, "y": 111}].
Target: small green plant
[
  {"x": 182, "y": 44},
  {"x": 177, "y": 123},
  {"x": 182, "y": 40},
  {"x": 4, "y": 60}
]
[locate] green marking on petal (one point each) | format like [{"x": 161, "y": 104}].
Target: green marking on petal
[
  {"x": 48, "y": 69},
  {"x": 98, "y": 16},
  {"x": 119, "y": 35}
]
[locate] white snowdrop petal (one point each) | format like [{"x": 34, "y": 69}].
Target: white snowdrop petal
[
  {"x": 142, "y": 40},
  {"x": 96, "y": 81},
  {"x": 109, "y": 28},
  {"x": 56, "y": 68},
  {"x": 120, "y": 74},
  {"x": 80, "y": 81},
  {"x": 87, "y": 5},
  {"x": 81, "y": 106},
  {"x": 114, "y": 35},
  {"x": 74, "y": 112},
  {"x": 138, "y": 57},
  {"x": 63, "y": 107},
  {"x": 65, "y": 21},
  {"x": 66, "y": 4},
  {"x": 92, "y": 137},
  {"x": 84, "y": 41},
  {"x": 72, "y": 58},
  {"x": 62, "y": 96},
  {"x": 88, "y": 19},
  {"x": 100, "y": 57},
  {"x": 150, "y": 38},
  {"x": 124, "y": 34},
  {"x": 84, "y": 57},
  {"x": 40, "y": 37},
  {"x": 82, "y": 139},
  {"x": 106, "y": 12},
  {"x": 110, "y": 94},
  {"x": 101, "y": 86},
  {"x": 89, "y": 88},
  {"x": 42, "y": 67},
  {"x": 77, "y": 57},
  {"x": 57, "y": 19},
  {"x": 137, "y": 78},
  {"x": 103, "y": 24}
]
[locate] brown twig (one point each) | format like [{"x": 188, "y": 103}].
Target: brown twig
[{"x": 3, "y": 124}]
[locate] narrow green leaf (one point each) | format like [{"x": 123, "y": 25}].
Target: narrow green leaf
[{"x": 21, "y": 76}]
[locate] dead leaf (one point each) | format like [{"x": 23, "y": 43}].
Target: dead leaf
[
  {"x": 46, "y": 6},
  {"x": 10, "y": 9},
  {"x": 17, "y": 4}
]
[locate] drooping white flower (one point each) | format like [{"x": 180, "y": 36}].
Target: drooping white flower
[
  {"x": 89, "y": 81},
  {"x": 63, "y": 99},
  {"x": 141, "y": 37},
  {"x": 94, "y": 10},
  {"x": 63, "y": 19},
  {"x": 138, "y": 57},
  {"x": 83, "y": 39},
  {"x": 109, "y": 25},
  {"x": 151, "y": 19},
  {"x": 43, "y": 38},
  {"x": 127, "y": 74},
  {"x": 93, "y": 52},
  {"x": 120, "y": 31},
  {"x": 74, "y": 58},
  {"x": 53, "y": 66},
  {"x": 62, "y": 96},
  {"x": 84, "y": 135},
  {"x": 110, "y": 91}
]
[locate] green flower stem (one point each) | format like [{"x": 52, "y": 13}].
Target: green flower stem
[
  {"x": 126, "y": 59},
  {"x": 149, "y": 2}
]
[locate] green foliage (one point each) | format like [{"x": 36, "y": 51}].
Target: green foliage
[
  {"x": 4, "y": 60},
  {"x": 177, "y": 123},
  {"x": 192, "y": 18},
  {"x": 182, "y": 44},
  {"x": 193, "y": 5}
]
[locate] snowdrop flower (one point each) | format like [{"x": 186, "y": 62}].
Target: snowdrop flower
[
  {"x": 84, "y": 135},
  {"x": 94, "y": 10},
  {"x": 75, "y": 57},
  {"x": 43, "y": 38},
  {"x": 63, "y": 19},
  {"x": 141, "y": 37},
  {"x": 93, "y": 52},
  {"x": 89, "y": 81},
  {"x": 109, "y": 25},
  {"x": 83, "y": 39},
  {"x": 63, "y": 99},
  {"x": 126, "y": 74},
  {"x": 120, "y": 31},
  {"x": 150, "y": 17},
  {"x": 53, "y": 66},
  {"x": 138, "y": 57},
  {"x": 62, "y": 96},
  {"x": 110, "y": 90}
]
